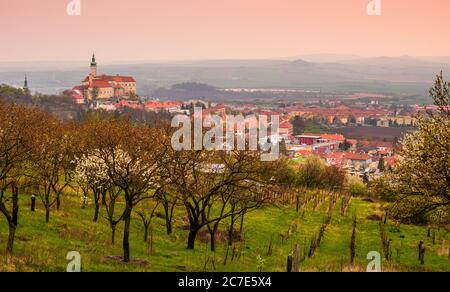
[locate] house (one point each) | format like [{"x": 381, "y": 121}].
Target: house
[
  {"x": 77, "y": 95},
  {"x": 170, "y": 106},
  {"x": 308, "y": 139},
  {"x": 286, "y": 130},
  {"x": 383, "y": 123},
  {"x": 348, "y": 159}
]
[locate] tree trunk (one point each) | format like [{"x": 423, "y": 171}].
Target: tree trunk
[
  {"x": 169, "y": 227},
  {"x": 146, "y": 232},
  {"x": 241, "y": 228},
  {"x": 15, "y": 206},
  {"x": 11, "y": 236},
  {"x": 230, "y": 232},
  {"x": 96, "y": 211},
  {"x": 193, "y": 231},
  {"x": 103, "y": 198},
  {"x": 113, "y": 234},
  {"x": 126, "y": 235},
  {"x": 212, "y": 234},
  {"x": 58, "y": 202},
  {"x": 169, "y": 215},
  {"x": 47, "y": 214},
  {"x": 213, "y": 240}
]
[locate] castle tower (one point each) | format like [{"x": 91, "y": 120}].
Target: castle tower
[{"x": 93, "y": 66}]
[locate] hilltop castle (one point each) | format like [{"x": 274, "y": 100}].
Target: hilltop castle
[{"x": 103, "y": 87}]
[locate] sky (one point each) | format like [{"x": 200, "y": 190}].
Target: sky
[{"x": 133, "y": 30}]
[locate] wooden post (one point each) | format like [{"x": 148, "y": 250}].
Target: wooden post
[
  {"x": 33, "y": 203},
  {"x": 289, "y": 264},
  {"x": 151, "y": 240},
  {"x": 421, "y": 253},
  {"x": 296, "y": 251},
  {"x": 449, "y": 250},
  {"x": 226, "y": 256}
]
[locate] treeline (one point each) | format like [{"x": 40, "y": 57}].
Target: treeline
[{"x": 55, "y": 103}]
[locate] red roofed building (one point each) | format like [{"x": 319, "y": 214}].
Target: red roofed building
[
  {"x": 286, "y": 130},
  {"x": 104, "y": 87},
  {"x": 128, "y": 104},
  {"x": 333, "y": 137},
  {"x": 348, "y": 159},
  {"x": 163, "y": 105},
  {"x": 389, "y": 162}
]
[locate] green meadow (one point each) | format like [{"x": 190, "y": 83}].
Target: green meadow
[{"x": 269, "y": 237}]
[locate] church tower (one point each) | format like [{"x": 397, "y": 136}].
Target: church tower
[
  {"x": 93, "y": 67},
  {"x": 25, "y": 85}
]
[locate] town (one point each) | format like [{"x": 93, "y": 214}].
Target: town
[
  {"x": 360, "y": 137},
  {"x": 225, "y": 136}
]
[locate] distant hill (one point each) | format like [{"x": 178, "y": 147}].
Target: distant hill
[
  {"x": 409, "y": 75},
  {"x": 326, "y": 58}
]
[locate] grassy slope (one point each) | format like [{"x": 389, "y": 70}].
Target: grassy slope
[{"x": 42, "y": 247}]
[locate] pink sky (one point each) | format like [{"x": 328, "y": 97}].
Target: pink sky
[{"x": 37, "y": 30}]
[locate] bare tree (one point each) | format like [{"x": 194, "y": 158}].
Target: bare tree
[
  {"x": 52, "y": 164},
  {"x": 205, "y": 180},
  {"x": 129, "y": 153},
  {"x": 18, "y": 126}
]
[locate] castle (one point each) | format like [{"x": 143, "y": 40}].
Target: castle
[{"x": 103, "y": 87}]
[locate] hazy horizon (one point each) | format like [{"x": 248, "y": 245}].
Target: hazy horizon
[
  {"x": 308, "y": 57},
  {"x": 195, "y": 30}
]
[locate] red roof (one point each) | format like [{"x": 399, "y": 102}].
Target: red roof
[
  {"x": 116, "y": 78},
  {"x": 79, "y": 88},
  {"x": 347, "y": 155},
  {"x": 356, "y": 156},
  {"x": 334, "y": 155},
  {"x": 164, "y": 104},
  {"x": 100, "y": 84},
  {"x": 333, "y": 137},
  {"x": 286, "y": 125},
  {"x": 125, "y": 103},
  {"x": 389, "y": 161}
]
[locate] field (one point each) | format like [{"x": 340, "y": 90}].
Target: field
[
  {"x": 270, "y": 235},
  {"x": 372, "y": 133}
]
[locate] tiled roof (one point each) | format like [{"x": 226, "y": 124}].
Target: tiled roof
[
  {"x": 333, "y": 137},
  {"x": 100, "y": 84},
  {"x": 109, "y": 78},
  {"x": 164, "y": 104},
  {"x": 116, "y": 78},
  {"x": 286, "y": 125}
]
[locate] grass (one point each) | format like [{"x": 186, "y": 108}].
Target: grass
[{"x": 43, "y": 247}]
